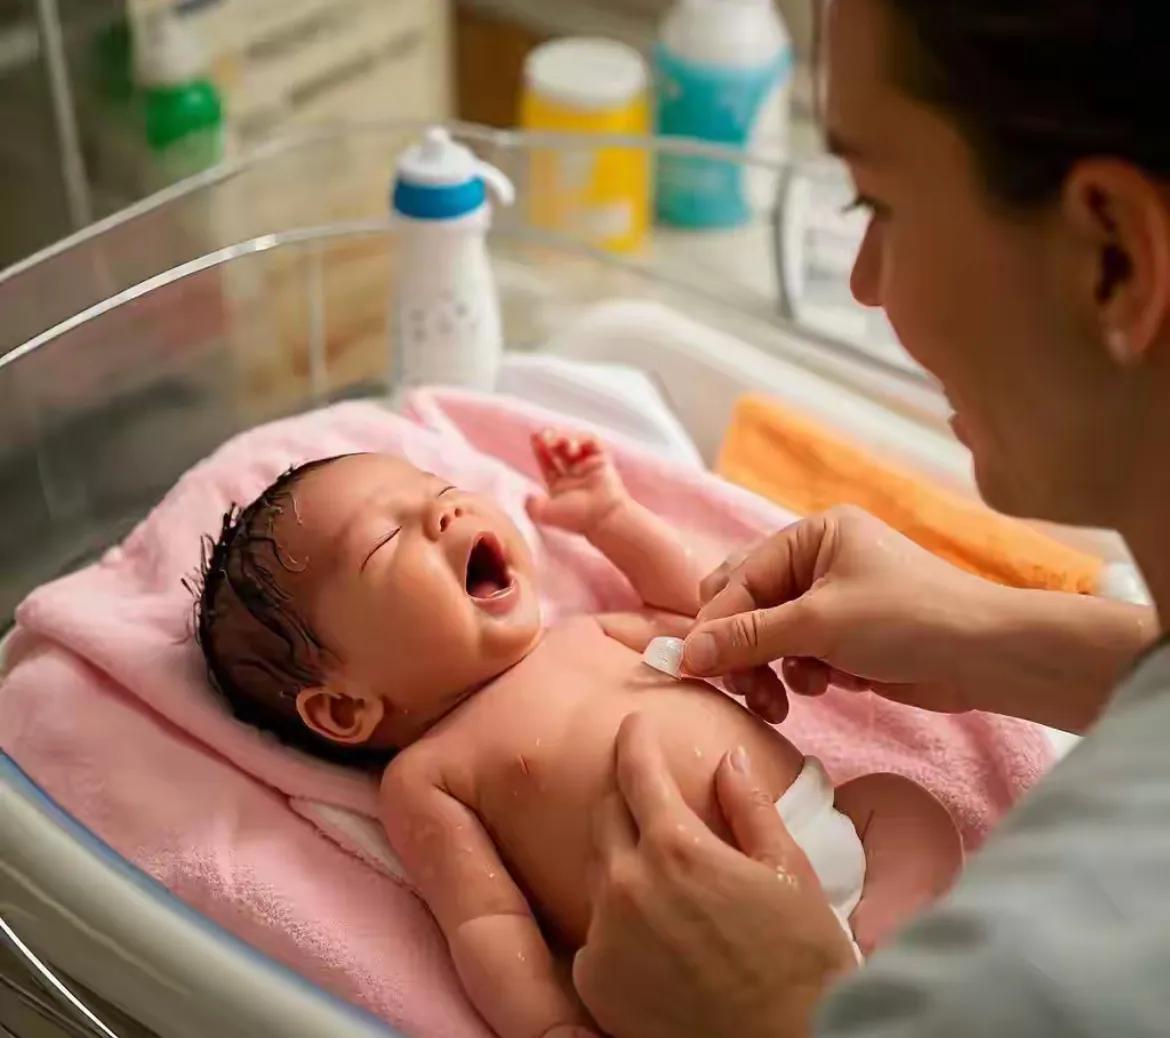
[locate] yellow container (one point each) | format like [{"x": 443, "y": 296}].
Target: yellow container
[{"x": 600, "y": 195}]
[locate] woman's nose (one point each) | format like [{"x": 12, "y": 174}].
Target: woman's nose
[
  {"x": 440, "y": 515},
  {"x": 865, "y": 281}
]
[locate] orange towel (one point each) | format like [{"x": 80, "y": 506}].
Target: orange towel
[{"x": 806, "y": 468}]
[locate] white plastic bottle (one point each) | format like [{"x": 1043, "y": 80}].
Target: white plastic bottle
[
  {"x": 723, "y": 72},
  {"x": 182, "y": 112},
  {"x": 445, "y": 311}
]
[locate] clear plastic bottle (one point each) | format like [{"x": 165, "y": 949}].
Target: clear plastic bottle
[{"x": 723, "y": 71}]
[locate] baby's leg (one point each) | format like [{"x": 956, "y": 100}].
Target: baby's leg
[{"x": 912, "y": 851}]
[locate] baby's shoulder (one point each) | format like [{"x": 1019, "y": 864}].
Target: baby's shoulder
[
  {"x": 425, "y": 763},
  {"x": 412, "y": 766}
]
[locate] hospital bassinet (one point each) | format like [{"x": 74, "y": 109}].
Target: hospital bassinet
[{"x": 258, "y": 290}]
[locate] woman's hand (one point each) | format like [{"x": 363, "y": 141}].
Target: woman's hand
[
  {"x": 844, "y": 599},
  {"x": 690, "y": 937}
]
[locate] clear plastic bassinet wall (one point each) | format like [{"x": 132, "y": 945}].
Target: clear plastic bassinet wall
[{"x": 258, "y": 290}]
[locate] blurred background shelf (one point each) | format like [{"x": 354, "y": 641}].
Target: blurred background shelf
[{"x": 277, "y": 64}]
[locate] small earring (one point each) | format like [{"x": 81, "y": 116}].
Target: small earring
[{"x": 1117, "y": 343}]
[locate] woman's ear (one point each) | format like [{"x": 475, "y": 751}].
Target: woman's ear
[
  {"x": 1121, "y": 219},
  {"x": 338, "y": 716}
]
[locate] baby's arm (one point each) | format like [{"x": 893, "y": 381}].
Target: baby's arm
[
  {"x": 502, "y": 958},
  {"x": 648, "y": 551},
  {"x": 586, "y": 495}
]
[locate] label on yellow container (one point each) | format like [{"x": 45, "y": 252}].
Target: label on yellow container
[{"x": 600, "y": 195}]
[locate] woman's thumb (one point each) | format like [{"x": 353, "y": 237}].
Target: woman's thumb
[
  {"x": 751, "y": 813},
  {"x": 751, "y": 639}
]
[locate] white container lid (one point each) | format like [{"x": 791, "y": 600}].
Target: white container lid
[
  {"x": 167, "y": 50},
  {"x": 437, "y": 160},
  {"x": 725, "y": 33},
  {"x": 590, "y": 73}
]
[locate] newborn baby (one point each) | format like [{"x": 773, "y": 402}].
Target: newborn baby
[{"x": 365, "y": 609}]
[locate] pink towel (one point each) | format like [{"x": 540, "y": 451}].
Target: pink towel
[{"x": 106, "y": 706}]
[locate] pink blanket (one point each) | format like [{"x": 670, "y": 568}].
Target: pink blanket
[{"x": 106, "y": 706}]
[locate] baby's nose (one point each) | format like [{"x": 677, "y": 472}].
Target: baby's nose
[{"x": 442, "y": 515}]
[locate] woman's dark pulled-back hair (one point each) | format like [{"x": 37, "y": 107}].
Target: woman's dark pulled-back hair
[{"x": 1037, "y": 85}]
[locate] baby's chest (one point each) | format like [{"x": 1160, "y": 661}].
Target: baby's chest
[{"x": 544, "y": 740}]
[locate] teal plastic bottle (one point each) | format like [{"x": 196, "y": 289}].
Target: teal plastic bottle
[{"x": 723, "y": 71}]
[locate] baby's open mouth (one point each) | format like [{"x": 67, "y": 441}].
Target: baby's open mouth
[{"x": 487, "y": 569}]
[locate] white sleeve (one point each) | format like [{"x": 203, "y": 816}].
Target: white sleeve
[{"x": 1061, "y": 924}]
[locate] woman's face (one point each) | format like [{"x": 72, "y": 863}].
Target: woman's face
[{"x": 988, "y": 299}]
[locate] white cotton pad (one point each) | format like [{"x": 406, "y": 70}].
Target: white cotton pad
[{"x": 665, "y": 654}]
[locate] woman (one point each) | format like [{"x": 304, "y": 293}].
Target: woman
[{"x": 1015, "y": 160}]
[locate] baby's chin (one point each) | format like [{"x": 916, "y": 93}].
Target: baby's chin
[
  {"x": 407, "y": 724},
  {"x": 509, "y": 633}
]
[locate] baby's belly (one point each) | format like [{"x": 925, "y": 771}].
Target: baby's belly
[{"x": 539, "y": 794}]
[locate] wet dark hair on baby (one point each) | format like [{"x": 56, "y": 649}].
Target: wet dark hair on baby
[{"x": 260, "y": 652}]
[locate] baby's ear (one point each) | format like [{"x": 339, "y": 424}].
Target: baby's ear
[{"x": 339, "y": 717}]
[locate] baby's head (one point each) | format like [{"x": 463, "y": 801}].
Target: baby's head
[{"x": 358, "y": 600}]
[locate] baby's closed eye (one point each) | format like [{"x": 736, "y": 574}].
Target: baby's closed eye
[{"x": 381, "y": 544}]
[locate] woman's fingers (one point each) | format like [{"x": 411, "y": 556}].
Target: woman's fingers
[
  {"x": 806, "y": 677},
  {"x": 646, "y": 783},
  {"x": 760, "y": 614},
  {"x": 713, "y": 583},
  {"x": 778, "y": 570},
  {"x": 762, "y": 691},
  {"x": 717, "y": 580},
  {"x": 810, "y": 677},
  {"x": 768, "y": 704},
  {"x": 752, "y": 816},
  {"x": 849, "y": 682},
  {"x": 614, "y": 837},
  {"x": 754, "y": 637},
  {"x": 690, "y": 936},
  {"x": 613, "y": 828}
]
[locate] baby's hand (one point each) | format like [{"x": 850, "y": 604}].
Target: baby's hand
[{"x": 583, "y": 485}]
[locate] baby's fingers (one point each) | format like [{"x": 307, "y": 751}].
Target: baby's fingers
[
  {"x": 585, "y": 447},
  {"x": 577, "y": 455},
  {"x": 542, "y": 450}
]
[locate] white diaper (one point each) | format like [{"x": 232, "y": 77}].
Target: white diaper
[{"x": 827, "y": 837}]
